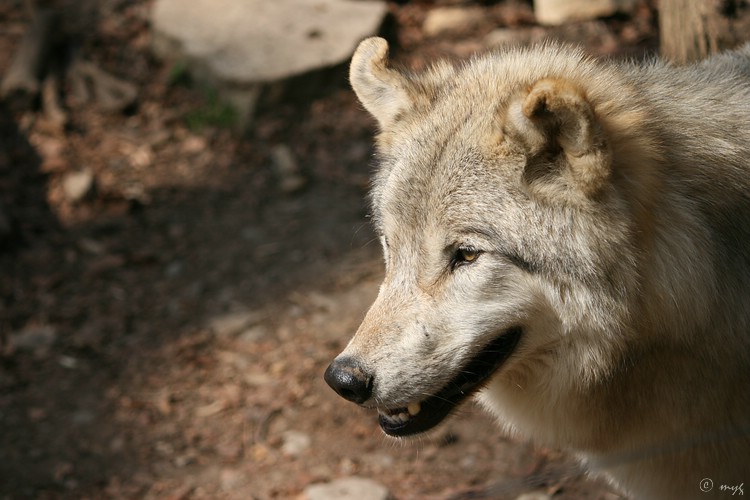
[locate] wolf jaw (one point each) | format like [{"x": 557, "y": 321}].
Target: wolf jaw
[{"x": 421, "y": 416}]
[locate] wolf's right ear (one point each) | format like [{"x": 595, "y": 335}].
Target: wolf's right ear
[
  {"x": 556, "y": 122},
  {"x": 382, "y": 90}
]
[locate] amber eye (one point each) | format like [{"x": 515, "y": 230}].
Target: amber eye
[
  {"x": 468, "y": 254},
  {"x": 464, "y": 255}
]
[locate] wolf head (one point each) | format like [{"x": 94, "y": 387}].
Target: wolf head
[{"x": 507, "y": 224}]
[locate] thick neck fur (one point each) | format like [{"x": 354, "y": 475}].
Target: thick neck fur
[
  {"x": 695, "y": 292},
  {"x": 692, "y": 307}
]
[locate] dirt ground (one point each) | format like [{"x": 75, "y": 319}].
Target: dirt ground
[{"x": 166, "y": 335}]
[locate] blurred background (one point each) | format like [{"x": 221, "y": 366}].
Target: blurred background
[{"x": 184, "y": 242}]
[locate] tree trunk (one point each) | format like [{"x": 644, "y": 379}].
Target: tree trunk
[
  {"x": 691, "y": 30},
  {"x": 28, "y": 65}
]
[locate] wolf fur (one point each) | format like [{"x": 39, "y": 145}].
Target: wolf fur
[{"x": 602, "y": 210}]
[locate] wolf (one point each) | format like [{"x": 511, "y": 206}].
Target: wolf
[{"x": 568, "y": 240}]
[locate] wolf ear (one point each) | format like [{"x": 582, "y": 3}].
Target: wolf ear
[
  {"x": 566, "y": 144},
  {"x": 382, "y": 90}
]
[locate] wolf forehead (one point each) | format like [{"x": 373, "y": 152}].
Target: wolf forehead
[
  {"x": 470, "y": 95},
  {"x": 441, "y": 188},
  {"x": 449, "y": 125}
]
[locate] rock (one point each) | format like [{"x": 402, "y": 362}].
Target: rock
[
  {"x": 35, "y": 338},
  {"x": 82, "y": 417},
  {"x": 287, "y": 169},
  {"x": 534, "y": 495},
  {"x": 235, "y": 323},
  {"x": 508, "y": 37},
  {"x": 68, "y": 362},
  {"x": 174, "y": 269},
  {"x": 295, "y": 443},
  {"x": 78, "y": 185},
  {"x": 194, "y": 144},
  {"x": 444, "y": 20},
  {"x": 378, "y": 461},
  {"x": 599, "y": 38},
  {"x": 348, "y": 488},
  {"x": 232, "y": 479},
  {"x": 240, "y": 46},
  {"x": 254, "y": 334},
  {"x": 557, "y": 12}
]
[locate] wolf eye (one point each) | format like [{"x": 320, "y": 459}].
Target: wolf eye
[{"x": 464, "y": 255}]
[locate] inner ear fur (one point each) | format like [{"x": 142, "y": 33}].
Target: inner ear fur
[{"x": 564, "y": 141}]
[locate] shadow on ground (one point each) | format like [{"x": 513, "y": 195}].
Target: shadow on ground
[{"x": 124, "y": 297}]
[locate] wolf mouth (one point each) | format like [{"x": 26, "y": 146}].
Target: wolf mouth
[{"x": 424, "y": 415}]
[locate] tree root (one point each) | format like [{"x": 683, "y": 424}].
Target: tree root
[
  {"x": 38, "y": 70},
  {"x": 110, "y": 93}
]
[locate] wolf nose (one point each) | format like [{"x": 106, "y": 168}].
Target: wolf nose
[{"x": 349, "y": 380}]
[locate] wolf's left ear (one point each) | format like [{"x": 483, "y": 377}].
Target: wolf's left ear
[
  {"x": 566, "y": 144},
  {"x": 383, "y": 91}
]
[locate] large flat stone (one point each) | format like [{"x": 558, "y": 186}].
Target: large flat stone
[
  {"x": 238, "y": 45},
  {"x": 348, "y": 488},
  {"x": 557, "y": 12}
]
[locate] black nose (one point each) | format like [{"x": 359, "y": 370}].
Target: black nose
[{"x": 349, "y": 380}]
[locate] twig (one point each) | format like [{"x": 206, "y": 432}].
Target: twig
[{"x": 51, "y": 101}]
